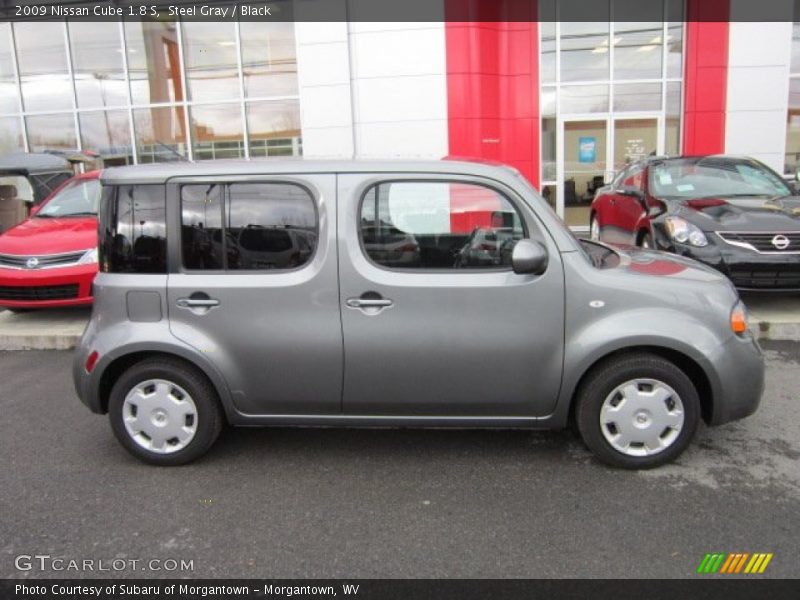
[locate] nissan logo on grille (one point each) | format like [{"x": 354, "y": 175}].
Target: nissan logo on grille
[
  {"x": 781, "y": 242},
  {"x": 33, "y": 262}
]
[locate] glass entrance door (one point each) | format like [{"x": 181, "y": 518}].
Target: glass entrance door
[
  {"x": 584, "y": 167},
  {"x": 590, "y": 150}
]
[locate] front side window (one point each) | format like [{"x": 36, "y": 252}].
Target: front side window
[
  {"x": 247, "y": 226},
  {"x": 438, "y": 225},
  {"x": 133, "y": 229}
]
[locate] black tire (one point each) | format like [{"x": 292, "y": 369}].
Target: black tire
[
  {"x": 604, "y": 378},
  {"x": 210, "y": 417}
]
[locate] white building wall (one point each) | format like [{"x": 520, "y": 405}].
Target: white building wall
[
  {"x": 758, "y": 89},
  {"x": 372, "y": 90},
  {"x": 323, "y": 75},
  {"x": 399, "y": 76}
]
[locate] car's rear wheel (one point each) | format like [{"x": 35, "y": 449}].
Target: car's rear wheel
[
  {"x": 165, "y": 412},
  {"x": 637, "y": 411},
  {"x": 594, "y": 228}
]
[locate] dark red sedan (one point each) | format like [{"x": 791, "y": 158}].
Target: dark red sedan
[{"x": 734, "y": 214}]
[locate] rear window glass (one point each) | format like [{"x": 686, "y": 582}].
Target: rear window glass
[
  {"x": 132, "y": 236},
  {"x": 247, "y": 226}
]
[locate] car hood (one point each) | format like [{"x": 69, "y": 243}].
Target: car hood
[
  {"x": 665, "y": 266},
  {"x": 741, "y": 214},
  {"x": 37, "y": 236}
]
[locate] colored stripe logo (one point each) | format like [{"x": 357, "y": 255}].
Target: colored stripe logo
[{"x": 733, "y": 563}]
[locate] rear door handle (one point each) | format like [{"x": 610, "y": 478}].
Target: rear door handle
[
  {"x": 368, "y": 302},
  {"x": 197, "y": 302}
]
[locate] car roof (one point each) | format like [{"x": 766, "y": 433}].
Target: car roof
[
  {"x": 696, "y": 157},
  {"x": 161, "y": 172},
  {"x": 25, "y": 163}
]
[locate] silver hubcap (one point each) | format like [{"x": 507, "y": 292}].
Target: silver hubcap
[
  {"x": 160, "y": 416},
  {"x": 594, "y": 230},
  {"x": 642, "y": 417}
]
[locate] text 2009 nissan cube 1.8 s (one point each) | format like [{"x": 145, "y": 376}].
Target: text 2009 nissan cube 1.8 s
[{"x": 406, "y": 294}]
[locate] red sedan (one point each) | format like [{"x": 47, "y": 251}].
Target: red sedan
[{"x": 50, "y": 259}]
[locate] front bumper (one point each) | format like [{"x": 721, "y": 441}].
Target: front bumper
[
  {"x": 738, "y": 367},
  {"x": 47, "y": 288},
  {"x": 747, "y": 269}
]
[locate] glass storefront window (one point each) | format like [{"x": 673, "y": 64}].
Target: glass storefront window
[
  {"x": 41, "y": 55},
  {"x": 793, "y": 128},
  {"x": 548, "y": 149},
  {"x": 638, "y": 50},
  {"x": 637, "y": 97},
  {"x": 217, "y": 131},
  {"x": 584, "y": 51},
  {"x": 617, "y": 81},
  {"x": 107, "y": 133},
  {"x": 269, "y": 61},
  {"x": 584, "y": 99},
  {"x": 274, "y": 128},
  {"x": 675, "y": 50},
  {"x": 97, "y": 65},
  {"x": 160, "y": 134},
  {"x": 51, "y": 132},
  {"x": 209, "y": 54},
  {"x": 673, "y": 119},
  {"x": 153, "y": 62},
  {"x": 547, "y": 68},
  {"x": 9, "y": 96},
  {"x": 11, "y": 138}
]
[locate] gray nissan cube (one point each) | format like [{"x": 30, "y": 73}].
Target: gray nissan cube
[{"x": 394, "y": 294}]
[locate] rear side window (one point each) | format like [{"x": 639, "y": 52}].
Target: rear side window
[
  {"x": 438, "y": 225},
  {"x": 132, "y": 236},
  {"x": 247, "y": 226}
]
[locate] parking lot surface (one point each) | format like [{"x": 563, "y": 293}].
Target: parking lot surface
[{"x": 390, "y": 503}]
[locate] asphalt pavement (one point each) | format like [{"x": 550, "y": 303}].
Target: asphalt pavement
[{"x": 388, "y": 503}]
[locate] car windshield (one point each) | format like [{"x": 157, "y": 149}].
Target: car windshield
[
  {"x": 78, "y": 199},
  {"x": 709, "y": 177}
]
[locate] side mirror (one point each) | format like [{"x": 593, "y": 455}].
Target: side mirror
[{"x": 529, "y": 258}]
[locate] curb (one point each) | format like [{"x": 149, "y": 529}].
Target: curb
[{"x": 38, "y": 342}]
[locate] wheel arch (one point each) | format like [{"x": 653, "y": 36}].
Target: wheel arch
[
  {"x": 122, "y": 362},
  {"x": 693, "y": 370}
]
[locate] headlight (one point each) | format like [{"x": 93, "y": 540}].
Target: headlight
[
  {"x": 683, "y": 232},
  {"x": 89, "y": 258},
  {"x": 739, "y": 323}
]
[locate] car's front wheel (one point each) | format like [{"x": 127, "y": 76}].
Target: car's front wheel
[
  {"x": 165, "y": 412},
  {"x": 637, "y": 411}
]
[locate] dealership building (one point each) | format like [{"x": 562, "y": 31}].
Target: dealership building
[{"x": 565, "y": 102}]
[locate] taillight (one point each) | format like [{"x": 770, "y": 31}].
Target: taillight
[{"x": 91, "y": 361}]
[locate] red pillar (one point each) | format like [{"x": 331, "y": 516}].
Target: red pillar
[
  {"x": 705, "y": 76},
  {"x": 493, "y": 84}
]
